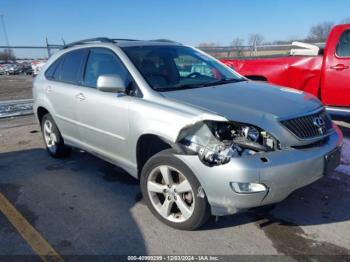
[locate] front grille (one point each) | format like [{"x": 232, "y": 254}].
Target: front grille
[{"x": 309, "y": 126}]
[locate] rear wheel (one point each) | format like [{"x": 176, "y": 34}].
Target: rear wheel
[
  {"x": 53, "y": 140},
  {"x": 170, "y": 190}
]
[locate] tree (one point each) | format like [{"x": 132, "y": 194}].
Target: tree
[
  {"x": 237, "y": 46},
  {"x": 320, "y": 32},
  {"x": 7, "y": 55},
  {"x": 255, "y": 40}
]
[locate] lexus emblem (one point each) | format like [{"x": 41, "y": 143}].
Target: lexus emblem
[{"x": 320, "y": 124}]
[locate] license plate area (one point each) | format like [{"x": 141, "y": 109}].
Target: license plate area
[{"x": 332, "y": 160}]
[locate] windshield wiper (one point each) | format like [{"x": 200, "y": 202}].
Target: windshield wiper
[
  {"x": 224, "y": 81},
  {"x": 189, "y": 86},
  {"x": 178, "y": 87}
]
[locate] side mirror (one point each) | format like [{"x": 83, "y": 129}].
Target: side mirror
[{"x": 111, "y": 83}]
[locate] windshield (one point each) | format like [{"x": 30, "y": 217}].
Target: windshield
[{"x": 167, "y": 68}]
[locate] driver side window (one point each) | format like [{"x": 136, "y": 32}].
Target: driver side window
[
  {"x": 102, "y": 61},
  {"x": 343, "y": 47}
]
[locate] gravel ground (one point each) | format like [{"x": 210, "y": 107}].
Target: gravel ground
[
  {"x": 85, "y": 206},
  {"x": 15, "y": 87}
]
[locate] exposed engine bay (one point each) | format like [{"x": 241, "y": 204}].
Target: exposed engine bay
[{"x": 217, "y": 142}]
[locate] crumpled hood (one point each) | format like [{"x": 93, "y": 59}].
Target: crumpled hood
[{"x": 248, "y": 101}]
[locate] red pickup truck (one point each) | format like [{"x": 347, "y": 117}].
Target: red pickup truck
[{"x": 324, "y": 73}]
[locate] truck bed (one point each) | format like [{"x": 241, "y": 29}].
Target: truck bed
[{"x": 300, "y": 72}]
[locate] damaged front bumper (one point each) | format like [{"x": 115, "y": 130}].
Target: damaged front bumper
[{"x": 281, "y": 172}]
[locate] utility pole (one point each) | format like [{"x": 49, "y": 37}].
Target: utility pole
[
  {"x": 48, "y": 48},
  {"x": 4, "y": 29},
  {"x": 8, "y": 49}
]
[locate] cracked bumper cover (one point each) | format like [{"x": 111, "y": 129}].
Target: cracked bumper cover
[{"x": 285, "y": 171}]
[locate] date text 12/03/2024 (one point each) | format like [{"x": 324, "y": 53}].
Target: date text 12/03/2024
[{"x": 173, "y": 258}]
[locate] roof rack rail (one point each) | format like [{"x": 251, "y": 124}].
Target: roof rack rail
[
  {"x": 164, "y": 40},
  {"x": 124, "y": 39},
  {"x": 86, "y": 41}
]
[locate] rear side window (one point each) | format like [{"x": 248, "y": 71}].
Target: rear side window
[
  {"x": 343, "y": 47},
  {"x": 102, "y": 61},
  {"x": 53, "y": 71},
  {"x": 71, "y": 66}
]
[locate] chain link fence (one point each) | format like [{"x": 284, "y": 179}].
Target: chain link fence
[{"x": 250, "y": 52}]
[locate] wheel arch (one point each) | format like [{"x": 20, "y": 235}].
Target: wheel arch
[
  {"x": 40, "y": 112},
  {"x": 257, "y": 78},
  {"x": 147, "y": 146}
]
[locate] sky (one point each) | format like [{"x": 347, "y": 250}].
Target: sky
[{"x": 192, "y": 22}]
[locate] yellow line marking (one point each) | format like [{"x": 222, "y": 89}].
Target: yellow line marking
[{"x": 28, "y": 232}]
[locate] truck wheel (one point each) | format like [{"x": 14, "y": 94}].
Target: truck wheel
[
  {"x": 53, "y": 140},
  {"x": 170, "y": 190}
]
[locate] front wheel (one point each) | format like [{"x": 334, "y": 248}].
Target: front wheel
[{"x": 173, "y": 193}]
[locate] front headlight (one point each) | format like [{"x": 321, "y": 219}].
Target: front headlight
[
  {"x": 217, "y": 142},
  {"x": 208, "y": 147},
  {"x": 251, "y": 133}
]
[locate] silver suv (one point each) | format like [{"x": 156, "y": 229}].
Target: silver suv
[{"x": 201, "y": 138}]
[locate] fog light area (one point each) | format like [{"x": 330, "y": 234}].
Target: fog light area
[{"x": 246, "y": 188}]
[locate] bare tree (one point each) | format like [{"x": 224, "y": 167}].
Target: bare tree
[
  {"x": 320, "y": 32},
  {"x": 237, "y": 46},
  {"x": 7, "y": 55},
  {"x": 255, "y": 40}
]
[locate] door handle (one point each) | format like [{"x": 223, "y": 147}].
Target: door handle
[
  {"x": 48, "y": 89},
  {"x": 80, "y": 97},
  {"x": 339, "y": 67}
]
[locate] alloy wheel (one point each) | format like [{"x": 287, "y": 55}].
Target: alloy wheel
[
  {"x": 50, "y": 136},
  {"x": 171, "y": 193}
]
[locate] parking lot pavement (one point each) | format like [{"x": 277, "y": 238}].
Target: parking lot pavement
[{"x": 84, "y": 206}]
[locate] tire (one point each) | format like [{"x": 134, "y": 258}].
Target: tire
[
  {"x": 164, "y": 197},
  {"x": 52, "y": 137}
]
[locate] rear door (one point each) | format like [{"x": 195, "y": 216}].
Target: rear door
[
  {"x": 103, "y": 117},
  {"x": 65, "y": 75},
  {"x": 336, "y": 79}
]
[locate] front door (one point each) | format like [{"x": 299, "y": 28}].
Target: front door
[
  {"x": 336, "y": 82},
  {"x": 102, "y": 116}
]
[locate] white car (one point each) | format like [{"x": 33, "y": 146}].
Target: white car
[{"x": 37, "y": 66}]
